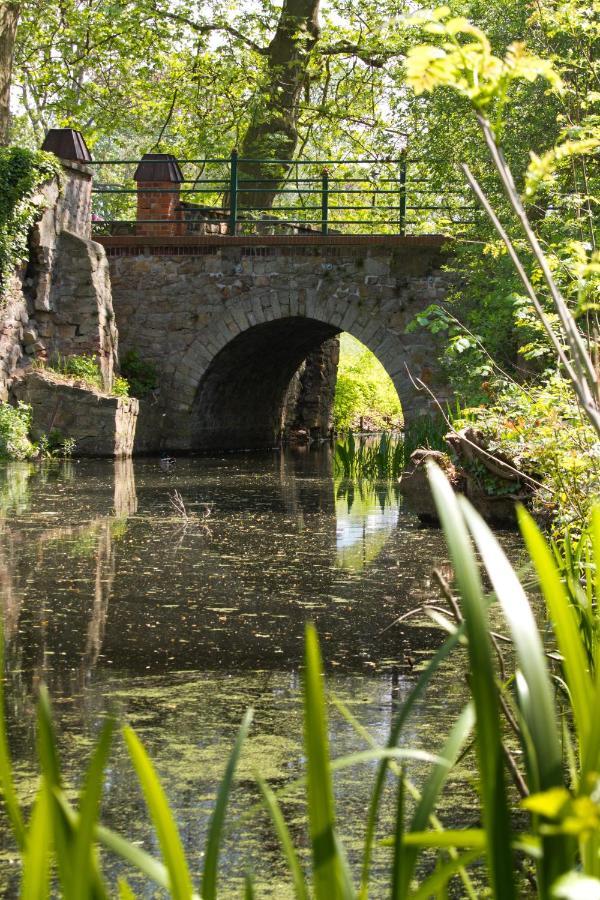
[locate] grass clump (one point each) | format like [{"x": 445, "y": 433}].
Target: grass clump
[
  {"x": 385, "y": 458},
  {"x": 365, "y": 459},
  {"x": 86, "y": 368}
]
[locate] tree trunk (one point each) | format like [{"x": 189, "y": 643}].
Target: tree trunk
[
  {"x": 273, "y": 131},
  {"x": 9, "y": 16}
]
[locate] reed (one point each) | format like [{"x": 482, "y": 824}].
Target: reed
[{"x": 385, "y": 458}]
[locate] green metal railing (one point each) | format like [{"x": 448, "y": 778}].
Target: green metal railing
[{"x": 387, "y": 196}]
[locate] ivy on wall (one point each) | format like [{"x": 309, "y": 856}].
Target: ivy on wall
[{"x": 22, "y": 173}]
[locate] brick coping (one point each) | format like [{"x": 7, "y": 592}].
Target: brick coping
[{"x": 134, "y": 241}]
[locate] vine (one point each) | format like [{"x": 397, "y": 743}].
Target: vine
[{"x": 22, "y": 172}]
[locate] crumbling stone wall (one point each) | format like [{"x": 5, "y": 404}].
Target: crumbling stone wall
[{"x": 61, "y": 301}]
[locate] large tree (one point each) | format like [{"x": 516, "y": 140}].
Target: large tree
[{"x": 9, "y": 17}]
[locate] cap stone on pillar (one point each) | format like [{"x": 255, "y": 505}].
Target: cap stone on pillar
[
  {"x": 67, "y": 143},
  {"x": 156, "y": 167},
  {"x": 158, "y": 177}
]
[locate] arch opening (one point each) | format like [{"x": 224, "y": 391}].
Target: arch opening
[
  {"x": 243, "y": 396},
  {"x": 366, "y": 399},
  {"x": 240, "y": 398}
]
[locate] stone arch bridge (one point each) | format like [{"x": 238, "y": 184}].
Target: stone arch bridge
[{"x": 227, "y": 321}]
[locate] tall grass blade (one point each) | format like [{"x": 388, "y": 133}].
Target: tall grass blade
[
  {"x": 136, "y": 857},
  {"x": 399, "y": 722},
  {"x": 211, "y": 861},
  {"x": 47, "y": 747},
  {"x": 438, "y": 882},
  {"x": 409, "y": 787},
  {"x": 483, "y": 688},
  {"x": 35, "y": 882},
  {"x": 584, "y": 693},
  {"x": 432, "y": 788},
  {"x": 249, "y": 892},
  {"x": 287, "y": 845},
  {"x": 6, "y": 780},
  {"x": 84, "y": 867},
  {"x": 180, "y": 883},
  {"x": 542, "y": 722},
  {"x": 331, "y": 876},
  {"x": 125, "y": 891},
  {"x": 398, "y": 875},
  {"x": 537, "y": 702}
]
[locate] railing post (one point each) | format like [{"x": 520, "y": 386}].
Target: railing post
[
  {"x": 402, "y": 204},
  {"x": 324, "y": 201},
  {"x": 233, "y": 191}
]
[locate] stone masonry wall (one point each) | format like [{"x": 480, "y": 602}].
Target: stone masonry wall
[
  {"x": 211, "y": 315},
  {"x": 61, "y": 301},
  {"x": 308, "y": 406}
]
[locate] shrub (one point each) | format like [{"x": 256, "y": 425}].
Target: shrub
[
  {"x": 120, "y": 386},
  {"x": 86, "y": 368},
  {"x": 56, "y": 445},
  {"x": 15, "y": 422},
  {"x": 140, "y": 374},
  {"x": 541, "y": 431}
]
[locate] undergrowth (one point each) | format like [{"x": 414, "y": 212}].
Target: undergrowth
[
  {"x": 86, "y": 368},
  {"x": 15, "y": 436}
]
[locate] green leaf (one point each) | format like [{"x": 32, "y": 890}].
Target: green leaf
[
  {"x": 272, "y": 804},
  {"x": 331, "y": 876},
  {"x": 211, "y": 861},
  {"x": 483, "y": 687},
  {"x": 35, "y": 883},
  {"x": 179, "y": 877},
  {"x": 6, "y": 780}
]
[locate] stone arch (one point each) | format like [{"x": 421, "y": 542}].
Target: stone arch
[
  {"x": 231, "y": 382},
  {"x": 183, "y": 309}
]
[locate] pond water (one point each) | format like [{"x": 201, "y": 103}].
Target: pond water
[{"x": 116, "y": 603}]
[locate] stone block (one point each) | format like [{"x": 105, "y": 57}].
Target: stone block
[{"x": 101, "y": 425}]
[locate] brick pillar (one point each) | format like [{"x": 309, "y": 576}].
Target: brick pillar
[{"x": 158, "y": 177}]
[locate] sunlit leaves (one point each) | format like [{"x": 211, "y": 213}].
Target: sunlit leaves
[{"x": 463, "y": 60}]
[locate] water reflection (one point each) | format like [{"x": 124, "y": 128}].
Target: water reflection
[
  {"x": 108, "y": 600},
  {"x": 366, "y": 514}
]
